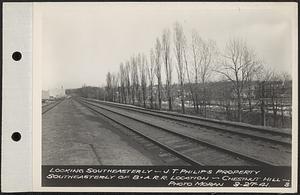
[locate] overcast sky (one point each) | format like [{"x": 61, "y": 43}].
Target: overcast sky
[{"x": 81, "y": 42}]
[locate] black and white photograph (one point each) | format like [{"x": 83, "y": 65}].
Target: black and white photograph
[{"x": 190, "y": 85}]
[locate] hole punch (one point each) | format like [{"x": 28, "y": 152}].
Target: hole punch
[
  {"x": 16, "y": 136},
  {"x": 17, "y": 55}
]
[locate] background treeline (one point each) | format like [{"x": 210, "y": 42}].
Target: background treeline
[{"x": 194, "y": 76}]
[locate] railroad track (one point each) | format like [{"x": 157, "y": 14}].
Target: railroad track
[
  {"x": 48, "y": 107},
  {"x": 265, "y": 134},
  {"x": 194, "y": 151}
]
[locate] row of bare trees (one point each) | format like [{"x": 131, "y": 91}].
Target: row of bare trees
[
  {"x": 148, "y": 80},
  {"x": 193, "y": 65}
]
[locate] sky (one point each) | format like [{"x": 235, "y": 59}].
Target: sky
[{"x": 81, "y": 42}]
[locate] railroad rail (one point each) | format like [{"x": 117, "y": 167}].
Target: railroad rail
[
  {"x": 163, "y": 137},
  {"x": 256, "y": 132},
  {"x": 50, "y": 106}
]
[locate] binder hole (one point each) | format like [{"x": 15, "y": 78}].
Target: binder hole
[
  {"x": 17, "y": 55},
  {"x": 16, "y": 136}
]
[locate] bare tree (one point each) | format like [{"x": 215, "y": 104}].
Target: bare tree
[
  {"x": 274, "y": 87},
  {"x": 189, "y": 74},
  {"x": 273, "y": 96},
  {"x": 207, "y": 61},
  {"x": 158, "y": 70},
  {"x": 128, "y": 82},
  {"x": 167, "y": 61},
  {"x": 118, "y": 85},
  {"x": 192, "y": 60},
  {"x": 115, "y": 87},
  {"x": 238, "y": 65},
  {"x": 179, "y": 43},
  {"x": 286, "y": 96},
  {"x": 264, "y": 78},
  {"x": 134, "y": 79},
  {"x": 138, "y": 78},
  {"x": 143, "y": 76},
  {"x": 109, "y": 90},
  {"x": 122, "y": 73},
  {"x": 224, "y": 94},
  {"x": 151, "y": 72},
  {"x": 196, "y": 61}
]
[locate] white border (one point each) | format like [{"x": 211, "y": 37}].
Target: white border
[
  {"x": 37, "y": 9},
  {"x": 16, "y": 174}
]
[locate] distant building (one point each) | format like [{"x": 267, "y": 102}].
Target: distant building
[
  {"x": 53, "y": 93},
  {"x": 57, "y": 93},
  {"x": 45, "y": 95}
]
